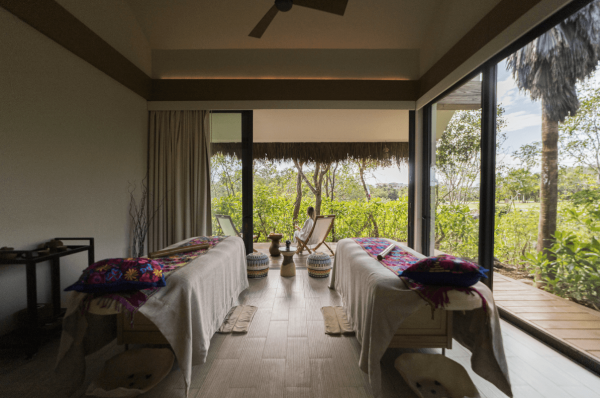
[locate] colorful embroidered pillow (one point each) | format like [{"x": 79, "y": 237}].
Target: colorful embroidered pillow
[
  {"x": 445, "y": 270},
  {"x": 118, "y": 275}
]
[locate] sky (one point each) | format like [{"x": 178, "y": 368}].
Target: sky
[{"x": 523, "y": 126}]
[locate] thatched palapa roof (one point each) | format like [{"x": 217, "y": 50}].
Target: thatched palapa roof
[{"x": 384, "y": 153}]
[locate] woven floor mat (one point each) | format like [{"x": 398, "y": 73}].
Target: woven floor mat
[
  {"x": 238, "y": 319},
  {"x": 336, "y": 321}
]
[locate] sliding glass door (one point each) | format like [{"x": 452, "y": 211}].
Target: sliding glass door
[{"x": 231, "y": 171}]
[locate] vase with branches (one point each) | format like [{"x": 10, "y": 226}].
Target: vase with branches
[{"x": 140, "y": 216}]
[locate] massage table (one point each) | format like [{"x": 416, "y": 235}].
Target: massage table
[
  {"x": 385, "y": 313},
  {"x": 184, "y": 314}
]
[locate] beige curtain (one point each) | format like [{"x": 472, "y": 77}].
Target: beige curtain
[{"x": 178, "y": 177}]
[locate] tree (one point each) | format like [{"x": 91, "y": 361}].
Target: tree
[
  {"x": 580, "y": 134},
  {"x": 458, "y": 153},
  {"x": 226, "y": 175},
  {"x": 549, "y": 68},
  {"x": 298, "y": 191},
  {"x": 316, "y": 186}
]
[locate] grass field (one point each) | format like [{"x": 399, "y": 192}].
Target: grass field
[{"x": 514, "y": 205}]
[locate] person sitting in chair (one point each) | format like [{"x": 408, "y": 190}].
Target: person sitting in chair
[{"x": 303, "y": 232}]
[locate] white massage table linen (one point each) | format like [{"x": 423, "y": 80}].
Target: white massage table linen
[
  {"x": 377, "y": 302},
  {"x": 187, "y": 311},
  {"x": 192, "y": 307}
]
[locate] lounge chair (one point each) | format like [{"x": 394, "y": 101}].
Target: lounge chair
[
  {"x": 319, "y": 231},
  {"x": 228, "y": 227}
]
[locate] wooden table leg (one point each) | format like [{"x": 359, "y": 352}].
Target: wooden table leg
[
  {"x": 55, "y": 286},
  {"x": 32, "y": 312}
]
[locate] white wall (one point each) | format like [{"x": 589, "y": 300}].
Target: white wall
[{"x": 70, "y": 140}]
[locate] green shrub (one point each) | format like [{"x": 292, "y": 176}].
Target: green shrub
[{"x": 574, "y": 270}]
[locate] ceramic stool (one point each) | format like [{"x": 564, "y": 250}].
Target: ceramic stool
[
  {"x": 258, "y": 265},
  {"x": 319, "y": 265}
]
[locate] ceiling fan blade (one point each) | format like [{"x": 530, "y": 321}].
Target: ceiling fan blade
[
  {"x": 264, "y": 23},
  {"x": 337, "y": 7}
]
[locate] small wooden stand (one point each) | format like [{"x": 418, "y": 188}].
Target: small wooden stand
[
  {"x": 30, "y": 258},
  {"x": 274, "y": 248},
  {"x": 288, "y": 267}
]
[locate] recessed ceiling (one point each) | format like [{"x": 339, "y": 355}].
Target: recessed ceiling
[
  {"x": 219, "y": 24},
  {"x": 383, "y": 39}
]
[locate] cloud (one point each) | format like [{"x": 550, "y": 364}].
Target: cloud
[{"x": 522, "y": 119}]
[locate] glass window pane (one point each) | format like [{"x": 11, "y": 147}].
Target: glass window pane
[
  {"x": 455, "y": 175},
  {"x": 226, "y": 168}
]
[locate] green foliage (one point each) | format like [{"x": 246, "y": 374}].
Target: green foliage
[
  {"x": 515, "y": 234},
  {"x": 518, "y": 184},
  {"x": 456, "y": 231},
  {"x": 586, "y": 197},
  {"x": 273, "y": 213},
  {"x": 575, "y": 271},
  {"x": 458, "y": 154},
  {"x": 580, "y": 133}
]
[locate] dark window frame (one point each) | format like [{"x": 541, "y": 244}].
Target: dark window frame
[{"x": 247, "y": 176}]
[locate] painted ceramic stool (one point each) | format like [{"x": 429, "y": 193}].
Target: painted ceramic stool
[
  {"x": 319, "y": 265},
  {"x": 258, "y": 265}
]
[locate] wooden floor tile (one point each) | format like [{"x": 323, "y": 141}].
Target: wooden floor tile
[
  {"x": 217, "y": 382},
  {"x": 581, "y": 392},
  {"x": 519, "y": 309},
  {"x": 242, "y": 393},
  {"x": 271, "y": 378},
  {"x": 559, "y": 316},
  {"x": 298, "y": 392},
  {"x": 569, "y": 324},
  {"x": 538, "y": 303},
  {"x": 297, "y": 363},
  {"x": 520, "y": 297},
  {"x": 233, "y": 346},
  {"x": 586, "y": 344},
  {"x": 276, "y": 344},
  {"x": 247, "y": 373},
  {"x": 575, "y": 333},
  {"x": 594, "y": 353},
  {"x": 320, "y": 344},
  {"x": 297, "y": 323},
  {"x": 260, "y": 323},
  {"x": 281, "y": 307}
]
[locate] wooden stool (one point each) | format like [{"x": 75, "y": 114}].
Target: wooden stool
[
  {"x": 274, "y": 249},
  {"x": 288, "y": 267}
]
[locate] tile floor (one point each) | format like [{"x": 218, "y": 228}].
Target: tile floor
[{"x": 286, "y": 354}]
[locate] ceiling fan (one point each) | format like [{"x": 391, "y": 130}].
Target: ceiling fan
[{"x": 337, "y": 7}]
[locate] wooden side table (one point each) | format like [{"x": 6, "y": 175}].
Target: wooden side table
[
  {"x": 288, "y": 267},
  {"x": 30, "y": 258},
  {"x": 274, "y": 249}
]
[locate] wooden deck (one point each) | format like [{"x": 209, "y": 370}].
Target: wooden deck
[{"x": 552, "y": 319}]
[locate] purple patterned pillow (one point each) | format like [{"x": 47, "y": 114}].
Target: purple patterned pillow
[
  {"x": 445, "y": 270},
  {"x": 118, "y": 275}
]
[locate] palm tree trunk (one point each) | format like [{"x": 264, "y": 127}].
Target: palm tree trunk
[{"x": 549, "y": 184}]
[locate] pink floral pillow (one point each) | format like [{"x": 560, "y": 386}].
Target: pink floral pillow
[{"x": 119, "y": 275}]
